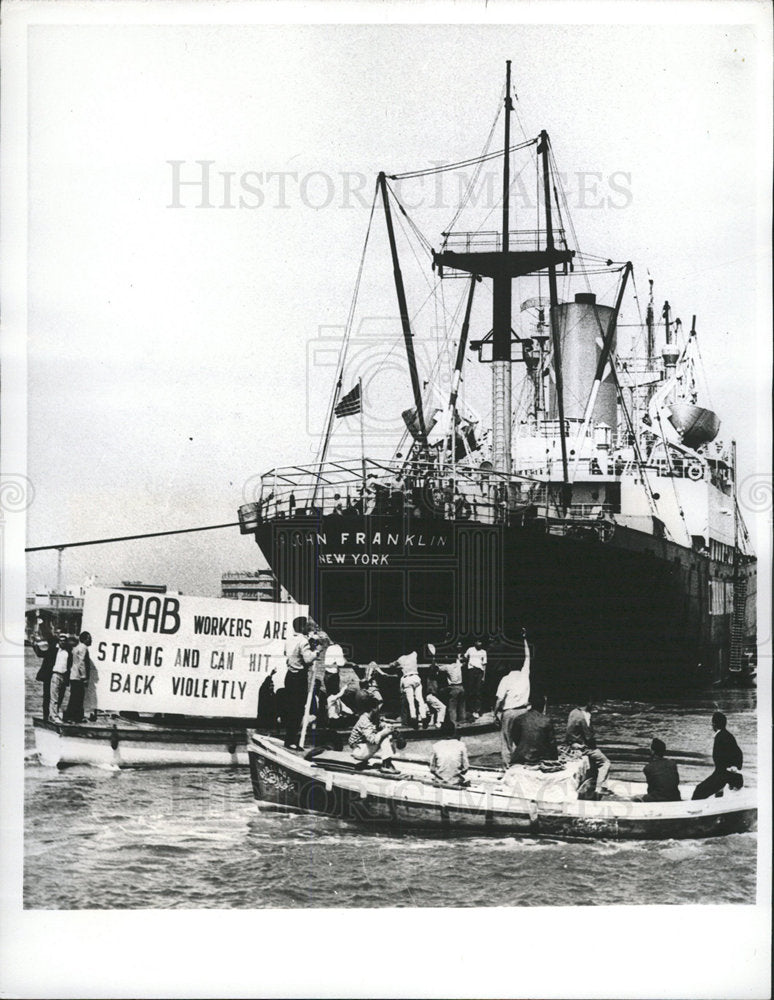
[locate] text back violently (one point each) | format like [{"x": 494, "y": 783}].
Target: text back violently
[{"x": 184, "y": 687}]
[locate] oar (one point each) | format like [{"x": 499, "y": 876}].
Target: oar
[
  {"x": 634, "y": 752},
  {"x": 308, "y": 706}
]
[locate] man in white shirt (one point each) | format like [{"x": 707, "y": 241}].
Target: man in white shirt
[
  {"x": 59, "y": 677},
  {"x": 80, "y": 667},
  {"x": 298, "y": 656},
  {"x": 476, "y": 657},
  {"x": 511, "y": 704},
  {"x": 411, "y": 688},
  {"x": 456, "y": 690},
  {"x": 450, "y": 763}
]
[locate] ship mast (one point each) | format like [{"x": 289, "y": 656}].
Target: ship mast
[
  {"x": 552, "y": 316},
  {"x": 502, "y": 265},
  {"x": 501, "y": 318},
  {"x": 408, "y": 337}
]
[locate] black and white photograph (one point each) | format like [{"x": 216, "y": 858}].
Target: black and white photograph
[{"x": 386, "y": 499}]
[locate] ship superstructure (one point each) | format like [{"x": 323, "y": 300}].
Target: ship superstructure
[{"x": 598, "y": 509}]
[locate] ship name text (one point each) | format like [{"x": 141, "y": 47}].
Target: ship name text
[{"x": 373, "y": 539}]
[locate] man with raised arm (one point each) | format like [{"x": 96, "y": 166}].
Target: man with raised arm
[{"x": 512, "y": 704}]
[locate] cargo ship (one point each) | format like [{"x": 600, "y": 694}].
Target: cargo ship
[{"x": 597, "y": 510}]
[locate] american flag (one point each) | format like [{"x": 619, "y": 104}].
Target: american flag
[{"x": 350, "y": 404}]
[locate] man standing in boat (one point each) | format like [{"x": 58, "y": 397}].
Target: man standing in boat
[
  {"x": 512, "y": 704},
  {"x": 299, "y": 654},
  {"x": 46, "y": 649},
  {"x": 456, "y": 689},
  {"x": 727, "y": 758},
  {"x": 79, "y": 675},
  {"x": 59, "y": 677},
  {"x": 411, "y": 689},
  {"x": 476, "y": 660}
]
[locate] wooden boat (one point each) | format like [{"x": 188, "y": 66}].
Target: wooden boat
[
  {"x": 173, "y": 679},
  {"x": 114, "y": 741},
  {"x": 478, "y": 727},
  {"x": 119, "y": 743},
  {"x": 523, "y": 801}
]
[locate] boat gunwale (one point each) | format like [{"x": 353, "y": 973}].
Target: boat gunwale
[{"x": 626, "y": 812}]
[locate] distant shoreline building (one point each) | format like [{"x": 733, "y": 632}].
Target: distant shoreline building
[
  {"x": 252, "y": 585},
  {"x": 61, "y": 610}
]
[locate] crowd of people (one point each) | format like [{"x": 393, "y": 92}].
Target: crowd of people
[
  {"x": 443, "y": 695},
  {"x": 63, "y": 665},
  {"x": 448, "y": 694}
]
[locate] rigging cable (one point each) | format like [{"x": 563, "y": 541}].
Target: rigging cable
[
  {"x": 477, "y": 172},
  {"x": 129, "y": 538},
  {"x": 499, "y": 201},
  {"x": 417, "y": 231},
  {"x": 461, "y": 163},
  {"x": 636, "y": 444},
  {"x": 348, "y": 329},
  {"x": 670, "y": 469}
]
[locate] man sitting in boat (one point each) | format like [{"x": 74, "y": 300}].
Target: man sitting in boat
[
  {"x": 450, "y": 763},
  {"x": 580, "y": 734},
  {"x": 728, "y": 760},
  {"x": 512, "y": 704},
  {"x": 537, "y": 741},
  {"x": 368, "y": 739},
  {"x": 661, "y": 775}
]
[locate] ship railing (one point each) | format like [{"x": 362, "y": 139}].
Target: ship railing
[
  {"x": 492, "y": 240},
  {"x": 368, "y": 486},
  {"x": 590, "y": 511},
  {"x": 678, "y": 468},
  {"x": 585, "y": 469}
]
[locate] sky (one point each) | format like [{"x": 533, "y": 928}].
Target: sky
[{"x": 180, "y": 342}]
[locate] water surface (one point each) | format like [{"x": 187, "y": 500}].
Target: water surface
[{"x": 185, "y": 837}]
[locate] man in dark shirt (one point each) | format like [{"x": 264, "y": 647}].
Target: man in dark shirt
[
  {"x": 727, "y": 758},
  {"x": 537, "y": 741},
  {"x": 661, "y": 775},
  {"x": 46, "y": 649},
  {"x": 580, "y": 733}
]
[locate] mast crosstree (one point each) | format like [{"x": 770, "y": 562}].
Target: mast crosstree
[{"x": 503, "y": 265}]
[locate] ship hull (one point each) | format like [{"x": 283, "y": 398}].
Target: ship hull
[{"x": 607, "y": 608}]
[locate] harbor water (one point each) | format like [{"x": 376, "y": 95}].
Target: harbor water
[{"x": 196, "y": 838}]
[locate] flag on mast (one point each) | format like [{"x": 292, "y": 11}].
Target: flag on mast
[{"x": 350, "y": 404}]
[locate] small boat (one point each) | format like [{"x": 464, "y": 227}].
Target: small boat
[
  {"x": 522, "y": 800},
  {"x": 117, "y": 743},
  {"x": 114, "y": 741},
  {"x": 477, "y": 727},
  {"x": 174, "y": 680}
]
